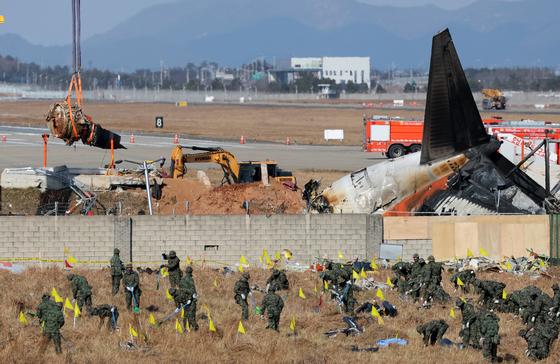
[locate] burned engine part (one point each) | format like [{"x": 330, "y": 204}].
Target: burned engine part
[{"x": 71, "y": 124}]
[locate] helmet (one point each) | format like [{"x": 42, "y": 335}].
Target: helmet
[
  {"x": 246, "y": 275},
  {"x": 70, "y": 277},
  {"x": 555, "y": 287},
  {"x": 415, "y": 256},
  {"x": 172, "y": 290},
  {"x": 273, "y": 287},
  {"x": 46, "y": 296},
  {"x": 188, "y": 270},
  {"x": 459, "y": 302},
  {"x": 172, "y": 254},
  {"x": 116, "y": 251},
  {"x": 431, "y": 258}
]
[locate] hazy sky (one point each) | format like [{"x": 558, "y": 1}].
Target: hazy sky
[{"x": 48, "y": 22}]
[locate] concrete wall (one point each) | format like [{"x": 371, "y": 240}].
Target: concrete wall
[{"x": 221, "y": 239}]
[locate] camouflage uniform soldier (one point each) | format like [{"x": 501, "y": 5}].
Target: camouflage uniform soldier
[
  {"x": 241, "y": 291},
  {"x": 466, "y": 276},
  {"x": 490, "y": 293},
  {"x": 45, "y": 305},
  {"x": 53, "y": 320},
  {"x": 469, "y": 325},
  {"x": 81, "y": 290},
  {"x": 431, "y": 278},
  {"x": 188, "y": 288},
  {"x": 432, "y": 331},
  {"x": 489, "y": 331},
  {"x": 402, "y": 275},
  {"x": 117, "y": 268},
  {"x": 555, "y": 303},
  {"x": 348, "y": 300},
  {"x": 132, "y": 291},
  {"x": 415, "y": 282},
  {"x": 181, "y": 299},
  {"x": 279, "y": 278},
  {"x": 539, "y": 339},
  {"x": 273, "y": 305},
  {"x": 174, "y": 268}
]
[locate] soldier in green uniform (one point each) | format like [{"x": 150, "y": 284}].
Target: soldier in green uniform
[
  {"x": 469, "y": 324},
  {"x": 132, "y": 291},
  {"x": 402, "y": 276},
  {"x": 466, "y": 276},
  {"x": 415, "y": 281},
  {"x": 539, "y": 339},
  {"x": 279, "y": 278},
  {"x": 272, "y": 304},
  {"x": 241, "y": 293},
  {"x": 117, "y": 268},
  {"x": 53, "y": 320},
  {"x": 81, "y": 290},
  {"x": 45, "y": 305},
  {"x": 188, "y": 288},
  {"x": 490, "y": 293},
  {"x": 180, "y": 297},
  {"x": 174, "y": 268},
  {"x": 489, "y": 331},
  {"x": 432, "y": 331}
]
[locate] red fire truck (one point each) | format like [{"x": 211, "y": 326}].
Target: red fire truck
[{"x": 396, "y": 137}]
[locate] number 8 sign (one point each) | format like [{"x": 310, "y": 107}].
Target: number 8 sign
[{"x": 159, "y": 122}]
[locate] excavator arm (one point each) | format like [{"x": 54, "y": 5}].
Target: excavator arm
[{"x": 225, "y": 159}]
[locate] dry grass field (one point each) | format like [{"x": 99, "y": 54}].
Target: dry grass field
[
  {"x": 303, "y": 125},
  {"x": 85, "y": 344}
]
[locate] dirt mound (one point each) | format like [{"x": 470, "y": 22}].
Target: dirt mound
[{"x": 228, "y": 199}]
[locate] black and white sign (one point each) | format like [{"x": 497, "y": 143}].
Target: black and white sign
[{"x": 159, "y": 122}]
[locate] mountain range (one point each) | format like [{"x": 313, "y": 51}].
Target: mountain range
[{"x": 488, "y": 33}]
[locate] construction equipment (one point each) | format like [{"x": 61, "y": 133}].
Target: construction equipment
[
  {"x": 493, "y": 99},
  {"x": 234, "y": 172}
]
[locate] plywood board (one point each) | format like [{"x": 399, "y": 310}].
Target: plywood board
[
  {"x": 406, "y": 228},
  {"x": 466, "y": 237},
  {"x": 443, "y": 241}
]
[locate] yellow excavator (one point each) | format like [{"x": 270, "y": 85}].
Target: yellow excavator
[
  {"x": 234, "y": 172},
  {"x": 493, "y": 99}
]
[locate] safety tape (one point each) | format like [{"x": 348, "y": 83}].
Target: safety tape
[{"x": 85, "y": 262}]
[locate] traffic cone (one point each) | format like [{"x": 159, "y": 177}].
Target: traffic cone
[
  {"x": 242, "y": 140},
  {"x": 176, "y": 139},
  {"x": 4, "y": 139},
  {"x": 288, "y": 141},
  {"x": 131, "y": 138}
]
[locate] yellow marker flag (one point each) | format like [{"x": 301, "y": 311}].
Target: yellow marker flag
[
  {"x": 56, "y": 296},
  {"x": 66, "y": 251},
  {"x": 470, "y": 253},
  {"x": 68, "y": 305},
  {"x": 460, "y": 282},
  {"x": 380, "y": 321},
  {"x": 326, "y": 285},
  {"x": 363, "y": 274},
  {"x": 463, "y": 299},
  {"x": 77, "y": 311},
  {"x": 22, "y": 319},
  {"x": 215, "y": 283},
  {"x": 277, "y": 256},
  {"x": 178, "y": 326},
  {"x": 240, "y": 328},
  {"x": 355, "y": 275},
  {"x": 287, "y": 254},
  {"x": 375, "y": 313},
  {"x": 265, "y": 253},
  {"x": 261, "y": 259},
  {"x": 188, "y": 261},
  {"x": 380, "y": 295},
  {"x": 2, "y": 19},
  {"x": 132, "y": 331},
  {"x": 483, "y": 252},
  {"x": 152, "y": 320},
  {"x": 301, "y": 294},
  {"x": 188, "y": 327},
  {"x": 340, "y": 255},
  {"x": 293, "y": 324},
  {"x": 504, "y": 294},
  {"x": 71, "y": 260},
  {"x": 243, "y": 260},
  {"x": 541, "y": 263},
  {"x": 508, "y": 265},
  {"x": 182, "y": 312},
  {"x": 389, "y": 283},
  {"x": 373, "y": 264},
  {"x": 268, "y": 261},
  {"x": 452, "y": 313},
  {"x": 211, "y": 326},
  {"x": 240, "y": 268},
  {"x": 164, "y": 272},
  {"x": 168, "y": 295}
]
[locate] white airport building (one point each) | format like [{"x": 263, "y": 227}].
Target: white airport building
[{"x": 339, "y": 69}]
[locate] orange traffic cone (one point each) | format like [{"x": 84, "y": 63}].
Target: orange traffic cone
[
  {"x": 131, "y": 138},
  {"x": 4, "y": 139},
  {"x": 242, "y": 140},
  {"x": 176, "y": 139},
  {"x": 288, "y": 141}
]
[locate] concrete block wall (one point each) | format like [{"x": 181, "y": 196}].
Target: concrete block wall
[{"x": 217, "y": 239}]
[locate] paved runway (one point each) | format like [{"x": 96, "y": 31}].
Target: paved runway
[{"x": 24, "y": 148}]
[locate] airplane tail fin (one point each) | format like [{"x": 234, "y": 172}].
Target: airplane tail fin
[{"x": 452, "y": 123}]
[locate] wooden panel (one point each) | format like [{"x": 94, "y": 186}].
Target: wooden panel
[
  {"x": 406, "y": 227},
  {"x": 513, "y": 236},
  {"x": 443, "y": 241},
  {"x": 466, "y": 237},
  {"x": 489, "y": 238}
]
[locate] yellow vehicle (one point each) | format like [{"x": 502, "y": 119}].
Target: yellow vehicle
[
  {"x": 234, "y": 172},
  {"x": 493, "y": 99}
]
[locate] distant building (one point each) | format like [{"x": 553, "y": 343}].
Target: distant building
[{"x": 340, "y": 69}]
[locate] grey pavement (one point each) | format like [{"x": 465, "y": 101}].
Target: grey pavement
[{"x": 24, "y": 148}]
